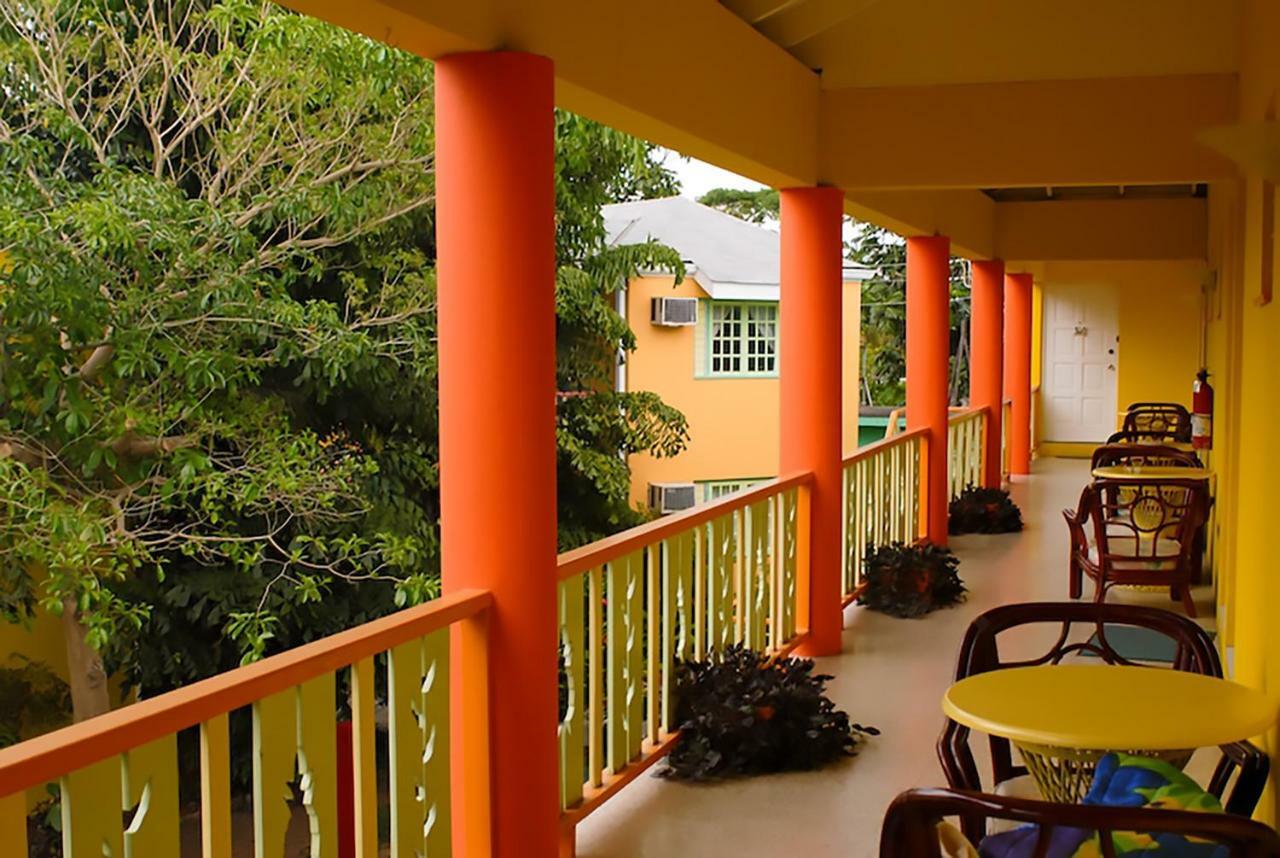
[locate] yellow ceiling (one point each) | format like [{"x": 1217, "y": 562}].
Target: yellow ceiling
[
  {"x": 923, "y": 42},
  {"x": 917, "y": 106}
]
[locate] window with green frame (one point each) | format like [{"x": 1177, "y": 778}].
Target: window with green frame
[
  {"x": 716, "y": 489},
  {"x": 742, "y": 339}
]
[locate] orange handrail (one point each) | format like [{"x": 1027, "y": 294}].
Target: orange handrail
[
  {"x": 876, "y": 446},
  {"x": 959, "y": 414},
  {"x": 44, "y": 758},
  {"x": 579, "y": 560}
]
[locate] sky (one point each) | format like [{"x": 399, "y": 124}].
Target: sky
[{"x": 697, "y": 177}]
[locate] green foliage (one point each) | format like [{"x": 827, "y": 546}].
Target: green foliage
[
  {"x": 910, "y": 581},
  {"x": 983, "y": 510},
  {"x": 33, "y": 700},
  {"x": 884, "y": 317},
  {"x": 746, "y": 714},
  {"x": 217, "y": 328},
  {"x": 755, "y": 206}
]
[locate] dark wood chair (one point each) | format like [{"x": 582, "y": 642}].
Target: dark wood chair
[
  {"x": 1144, "y": 533},
  {"x": 1152, "y": 455},
  {"x": 1156, "y": 455},
  {"x": 910, "y": 825},
  {"x": 1082, "y": 628},
  {"x": 1158, "y": 417},
  {"x": 1152, "y": 436}
]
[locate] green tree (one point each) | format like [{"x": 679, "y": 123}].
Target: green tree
[
  {"x": 884, "y": 317},
  {"x": 755, "y": 206},
  {"x": 217, "y": 327}
]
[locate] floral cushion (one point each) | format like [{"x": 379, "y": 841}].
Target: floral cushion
[{"x": 1121, "y": 780}]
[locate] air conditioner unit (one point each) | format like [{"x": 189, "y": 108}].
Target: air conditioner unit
[
  {"x": 672, "y": 497},
  {"x": 674, "y": 312}
]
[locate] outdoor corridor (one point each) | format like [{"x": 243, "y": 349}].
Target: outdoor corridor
[{"x": 891, "y": 676}]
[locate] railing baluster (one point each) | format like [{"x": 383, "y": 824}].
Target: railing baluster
[
  {"x": 274, "y": 750},
  {"x": 317, "y": 743},
  {"x": 149, "y": 781},
  {"x": 572, "y": 741},
  {"x": 653, "y": 637},
  {"x": 435, "y": 762},
  {"x": 215, "y": 788},
  {"x": 13, "y": 822},
  {"x": 595, "y": 673},
  {"x": 364, "y": 758},
  {"x": 91, "y": 803}
]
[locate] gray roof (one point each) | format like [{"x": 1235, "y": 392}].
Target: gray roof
[{"x": 730, "y": 258}]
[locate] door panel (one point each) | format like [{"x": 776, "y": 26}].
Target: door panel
[{"x": 1080, "y": 360}]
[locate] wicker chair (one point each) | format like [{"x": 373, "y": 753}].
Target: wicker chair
[
  {"x": 1155, "y": 455},
  {"x": 910, "y": 825},
  {"x": 1081, "y": 628},
  {"x": 1158, "y": 417}
]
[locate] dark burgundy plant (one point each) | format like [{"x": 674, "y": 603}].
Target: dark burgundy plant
[
  {"x": 747, "y": 715},
  {"x": 981, "y": 510},
  {"x": 911, "y": 580}
]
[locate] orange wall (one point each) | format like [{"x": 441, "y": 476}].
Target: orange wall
[{"x": 733, "y": 422}]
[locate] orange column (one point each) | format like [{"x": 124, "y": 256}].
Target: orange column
[
  {"x": 986, "y": 357},
  {"x": 1018, "y": 290},
  {"x": 495, "y": 233},
  {"x": 928, "y": 366},
  {"x": 809, "y": 365}
]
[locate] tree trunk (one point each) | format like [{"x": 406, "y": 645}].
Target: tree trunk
[{"x": 84, "y": 666}]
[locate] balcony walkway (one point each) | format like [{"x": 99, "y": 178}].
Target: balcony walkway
[{"x": 892, "y": 676}]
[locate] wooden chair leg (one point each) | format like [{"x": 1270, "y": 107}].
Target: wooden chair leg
[{"x": 1188, "y": 605}]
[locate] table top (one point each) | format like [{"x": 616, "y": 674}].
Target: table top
[
  {"x": 1105, "y": 707},
  {"x": 1151, "y": 472}
]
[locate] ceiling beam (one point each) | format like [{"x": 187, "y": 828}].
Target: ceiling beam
[
  {"x": 755, "y": 11},
  {"x": 710, "y": 87},
  {"x": 1119, "y": 229},
  {"x": 966, "y": 217},
  {"x": 810, "y": 18},
  {"x": 1122, "y": 131}
]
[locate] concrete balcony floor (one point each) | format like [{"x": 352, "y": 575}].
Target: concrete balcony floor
[{"x": 892, "y": 675}]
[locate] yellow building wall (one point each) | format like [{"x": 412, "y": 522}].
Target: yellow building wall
[
  {"x": 733, "y": 422},
  {"x": 1255, "y": 477}
]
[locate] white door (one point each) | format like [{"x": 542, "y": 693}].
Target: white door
[{"x": 1081, "y": 345}]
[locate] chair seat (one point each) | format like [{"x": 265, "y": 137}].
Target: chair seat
[
  {"x": 1163, "y": 555},
  {"x": 1023, "y": 786}
]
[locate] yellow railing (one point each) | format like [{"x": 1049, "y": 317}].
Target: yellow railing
[
  {"x": 883, "y": 500},
  {"x": 635, "y": 604},
  {"x": 1006, "y": 452},
  {"x": 128, "y": 760},
  {"x": 966, "y": 449}
]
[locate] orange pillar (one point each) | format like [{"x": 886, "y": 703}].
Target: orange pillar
[
  {"x": 928, "y": 366},
  {"x": 809, "y": 365},
  {"x": 986, "y": 358},
  {"x": 495, "y": 233},
  {"x": 1018, "y": 290}
]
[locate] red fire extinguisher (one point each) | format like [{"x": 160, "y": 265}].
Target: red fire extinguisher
[{"x": 1202, "y": 412}]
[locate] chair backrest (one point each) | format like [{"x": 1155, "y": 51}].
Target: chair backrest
[
  {"x": 1151, "y": 520},
  {"x": 1077, "y": 628},
  {"x": 1150, "y": 436},
  {"x": 910, "y": 825},
  {"x": 1158, "y": 417},
  {"x": 1154, "y": 455}
]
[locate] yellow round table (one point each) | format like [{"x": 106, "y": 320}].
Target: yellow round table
[
  {"x": 1150, "y": 472},
  {"x": 1183, "y": 446},
  {"x": 1063, "y": 718}
]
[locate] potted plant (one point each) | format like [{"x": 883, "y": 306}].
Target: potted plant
[
  {"x": 746, "y": 713},
  {"x": 982, "y": 510},
  {"x": 911, "y": 580}
]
